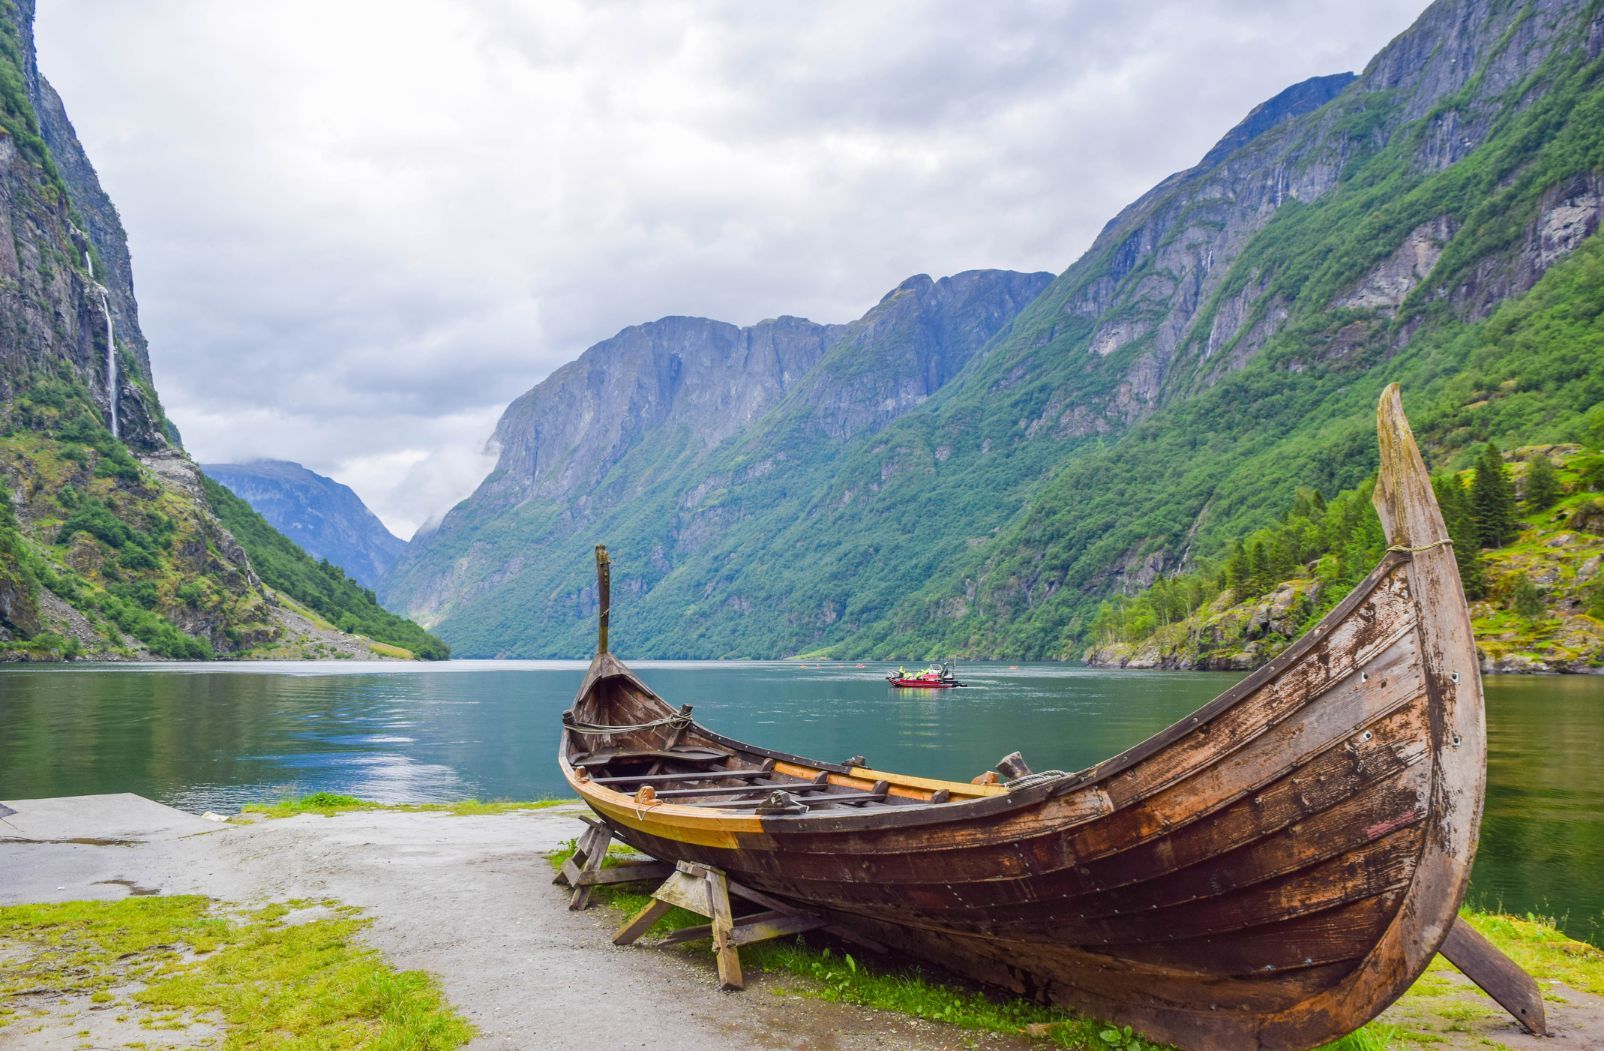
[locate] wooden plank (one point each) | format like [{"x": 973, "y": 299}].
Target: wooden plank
[
  {"x": 641, "y": 922},
  {"x": 1497, "y": 975},
  {"x": 724, "y": 948},
  {"x": 588, "y": 858},
  {"x": 688, "y": 775},
  {"x": 604, "y": 601},
  {"x": 686, "y": 891},
  {"x": 793, "y": 787},
  {"x": 633, "y": 873},
  {"x": 759, "y": 926},
  {"x": 778, "y": 925},
  {"x": 613, "y": 755}
]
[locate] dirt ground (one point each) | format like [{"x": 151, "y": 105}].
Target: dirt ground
[{"x": 470, "y": 900}]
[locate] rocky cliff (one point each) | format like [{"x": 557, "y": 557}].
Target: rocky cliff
[
  {"x": 109, "y": 546},
  {"x": 657, "y": 437},
  {"x": 327, "y": 520}
]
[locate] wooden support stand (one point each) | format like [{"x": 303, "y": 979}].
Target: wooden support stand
[
  {"x": 1498, "y": 976},
  {"x": 584, "y": 870},
  {"x": 706, "y": 891}
]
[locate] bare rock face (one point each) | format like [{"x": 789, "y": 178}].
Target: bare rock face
[
  {"x": 1385, "y": 287},
  {"x": 83, "y": 434},
  {"x": 689, "y": 381}
]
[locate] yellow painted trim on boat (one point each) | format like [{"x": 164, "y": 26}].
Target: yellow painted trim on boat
[
  {"x": 905, "y": 785},
  {"x": 683, "y": 824},
  {"x": 957, "y": 788}
]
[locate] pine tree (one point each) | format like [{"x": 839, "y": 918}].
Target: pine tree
[
  {"x": 1258, "y": 568},
  {"x": 1524, "y": 597},
  {"x": 1542, "y": 484},
  {"x": 1237, "y": 570},
  {"x": 1455, "y": 505},
  {"x": 1492, "y": 500}
]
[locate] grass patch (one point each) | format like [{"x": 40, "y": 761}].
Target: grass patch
[
  {"x": 1537, "y": 945},
  {"x": 269, "y": 981},
  {"x": 330, "y": 803}
]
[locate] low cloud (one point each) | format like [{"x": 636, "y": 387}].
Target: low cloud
[{"x": 361, "y": 229}]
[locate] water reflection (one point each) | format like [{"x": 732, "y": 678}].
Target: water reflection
[{"x": 210, "y": 736}]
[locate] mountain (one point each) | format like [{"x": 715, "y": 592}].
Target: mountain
[
  {"x": 110, "y": 546},
  {"x": 327, "y": 520},
  {"x": 654, "y": 438},
  {"x": 1431, "y": 220}
]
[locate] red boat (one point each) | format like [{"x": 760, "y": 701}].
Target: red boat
[{"x": 935, "y": 677}]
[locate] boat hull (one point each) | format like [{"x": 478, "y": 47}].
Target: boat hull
[{"x": 1269, "y": 872}]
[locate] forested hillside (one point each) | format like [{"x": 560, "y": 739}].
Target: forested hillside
[
  {"x": 1528, "y": 533},
  {"x": 1453, "y": 251}
]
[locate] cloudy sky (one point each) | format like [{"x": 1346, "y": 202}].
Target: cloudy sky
[{"x": 361, "y": 228}]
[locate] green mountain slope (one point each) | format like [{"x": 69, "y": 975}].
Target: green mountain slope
[
  {"x": 1537, "y": 600},
  {"x": 327, "y": 520},
  {"x": 1205, "y": 466}
]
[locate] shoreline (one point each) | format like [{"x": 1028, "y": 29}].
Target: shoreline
[
  {"x": 418, "y": 663},
  {"x": 1485, "y": 668}
]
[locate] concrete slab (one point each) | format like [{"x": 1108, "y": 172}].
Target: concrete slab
[{"x": 105, "y": 820}]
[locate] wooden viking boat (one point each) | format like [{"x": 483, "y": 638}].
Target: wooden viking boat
[{"x": 1270, "y": 872}]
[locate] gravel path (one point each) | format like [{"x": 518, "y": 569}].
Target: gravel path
[{"x": 466, "y": 898}]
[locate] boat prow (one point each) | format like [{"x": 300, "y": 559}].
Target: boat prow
[{"x": 1269, "y": 872}]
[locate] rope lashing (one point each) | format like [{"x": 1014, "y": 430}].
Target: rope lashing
[
  {"x": 1038, "y": 778},
  {"x": 1406, "y": 549},
  {"x": 677, "y": 720}
]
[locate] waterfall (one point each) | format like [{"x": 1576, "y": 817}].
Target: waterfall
[
  {"x": 111, "y": 344},
  {"x": 111, "y": 360}
]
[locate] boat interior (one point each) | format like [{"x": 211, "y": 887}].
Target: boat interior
[{"x": 691, "y": 766}]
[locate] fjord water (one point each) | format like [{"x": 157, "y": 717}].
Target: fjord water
[{"x": 215, "y": 736}]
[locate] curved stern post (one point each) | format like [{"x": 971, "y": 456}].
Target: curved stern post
[
  {"x": 1414, "y": 524},
  {"x": 1457, "y": 746}
]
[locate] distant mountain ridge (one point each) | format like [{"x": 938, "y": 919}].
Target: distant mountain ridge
[
  {"x": 1432, "y": 221},
  {"x": 325, "y": 518}
]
